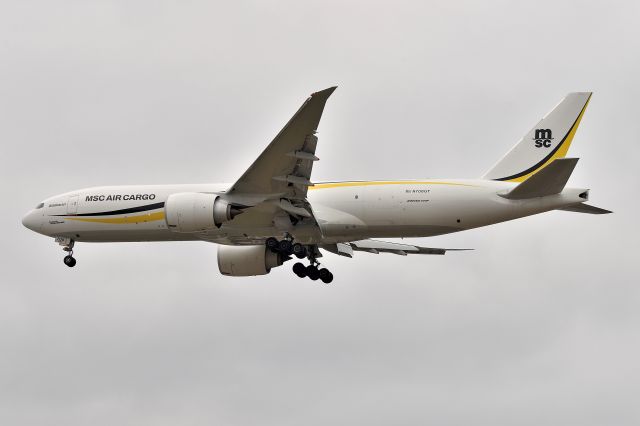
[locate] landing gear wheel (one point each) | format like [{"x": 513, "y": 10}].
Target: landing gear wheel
[
  {"x": 312, "y": 272},
  {"x": 299, "y": 250},
  {"x": 70, "y": 261},
  {"x": 272, "y": 244},
  {"x": 325, "y": 275},
  {"x": 300, "y": 270},
  {"x": 284, "y": 246}
]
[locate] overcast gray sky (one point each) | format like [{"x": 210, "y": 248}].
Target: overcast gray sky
[{"x": 539, "y": 325}]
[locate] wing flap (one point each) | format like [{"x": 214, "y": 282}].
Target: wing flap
[{"x": 376, "y": 246}]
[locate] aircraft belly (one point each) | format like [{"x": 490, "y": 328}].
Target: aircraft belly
[
  {"x": 132, "y": 236},
  {"x": 155, "y": 230}
]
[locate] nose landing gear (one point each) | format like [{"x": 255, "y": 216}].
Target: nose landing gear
[{"x": 67, "y": 245}]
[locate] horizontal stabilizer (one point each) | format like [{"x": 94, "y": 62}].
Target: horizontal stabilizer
[
  {"x": 548, "y": 181},
  {"x": 375, "y": 246},
  {"x": 585, "y": 208}
]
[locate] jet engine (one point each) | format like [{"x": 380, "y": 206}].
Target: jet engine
[
  {"x": 197, "y": 211},
  {"x": 246, "y": 261}
]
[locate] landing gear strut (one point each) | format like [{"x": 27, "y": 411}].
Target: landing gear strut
[{"x": 67, "y": 245}]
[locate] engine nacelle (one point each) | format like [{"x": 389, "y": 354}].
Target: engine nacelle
[
  {"x": 196, "y": 211},
  {"x": 246, "y": 261}
]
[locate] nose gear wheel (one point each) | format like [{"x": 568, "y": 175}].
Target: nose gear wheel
[
  {"x": 67, "y": 245},
  {"x": 69, "y": 260}
]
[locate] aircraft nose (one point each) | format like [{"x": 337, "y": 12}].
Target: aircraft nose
[{"x": 29, "y": 221}]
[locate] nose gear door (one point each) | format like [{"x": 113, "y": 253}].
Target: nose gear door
[{"x": 72, "y": 205}]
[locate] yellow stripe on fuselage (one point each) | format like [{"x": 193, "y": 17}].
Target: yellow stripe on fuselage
[
  {"x": 151, "y": 217},
  {"x": 374, "y": 183}
]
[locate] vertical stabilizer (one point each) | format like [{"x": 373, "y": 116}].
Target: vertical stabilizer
[{"x": 546, "y": 142}]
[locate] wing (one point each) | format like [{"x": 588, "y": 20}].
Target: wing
[
  {"x": 283, "y": 170},
  {"x": 375, "y": 246}
]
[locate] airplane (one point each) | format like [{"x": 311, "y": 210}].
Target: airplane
[{"x": 274, "y": 212}]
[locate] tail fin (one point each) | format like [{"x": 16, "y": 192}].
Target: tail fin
[{"x": 547, "y": 141}]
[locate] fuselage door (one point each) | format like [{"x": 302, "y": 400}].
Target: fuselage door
[{"x": 72, "y": 205}]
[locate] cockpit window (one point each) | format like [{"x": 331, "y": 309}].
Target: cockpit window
[{"x": 39, "y": 206}]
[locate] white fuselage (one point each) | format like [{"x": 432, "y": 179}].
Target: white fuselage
[{"x": 345, "y": 211}]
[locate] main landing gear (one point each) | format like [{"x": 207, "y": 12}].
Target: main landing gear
[
  {"x": 289, "y": 248},
  {"x": 313, "y": 272},
  {"x": 67, "y": 245}
]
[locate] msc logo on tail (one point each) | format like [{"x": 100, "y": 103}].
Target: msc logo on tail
[{"x": 543, "y": 138}]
